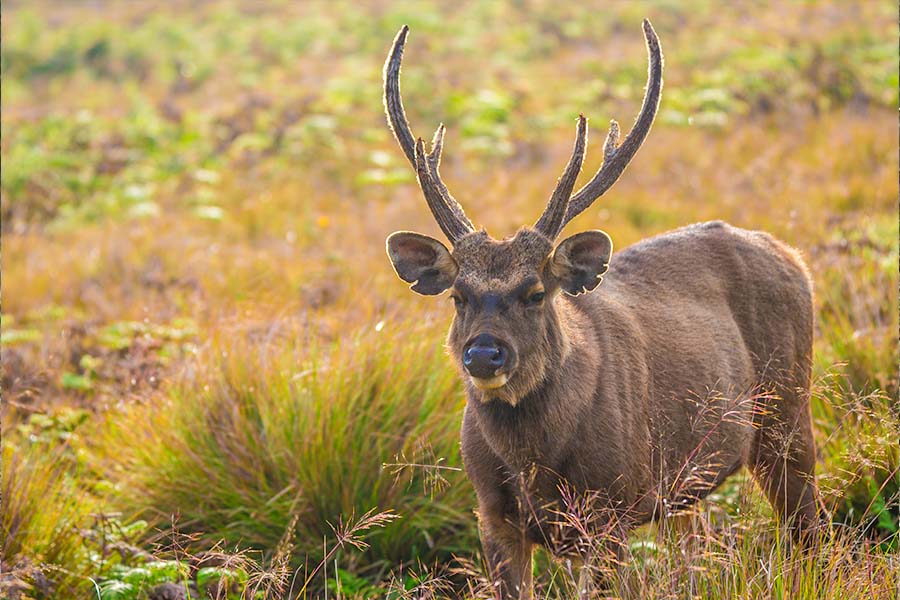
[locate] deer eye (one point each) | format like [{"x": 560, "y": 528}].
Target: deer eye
[
  {"x": 535, "y": 298},
  {"x": 458, "y": 301}
]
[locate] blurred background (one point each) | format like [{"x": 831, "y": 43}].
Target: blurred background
[{"x": 203, "y": 340}]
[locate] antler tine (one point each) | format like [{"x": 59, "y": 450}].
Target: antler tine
[
  {"x": 449, "y": 222},
  {"x": 446, "y": 205},
  {"x": 616, "y": 158},
  {"x": 434, "y": 164},
  {"x": 437, "y": 146},
  {"x": 551, "y": 222}
]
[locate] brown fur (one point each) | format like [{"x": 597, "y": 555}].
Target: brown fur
[{"x": 692, "y": 359}]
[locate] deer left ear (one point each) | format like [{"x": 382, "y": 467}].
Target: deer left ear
[
  {"x": 422, "y": 261},
  {"x": 580, "y": 261}
]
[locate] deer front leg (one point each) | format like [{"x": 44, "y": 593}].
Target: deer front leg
[
  {"x": 508, "y": 555},
  {"x": 507, "y": 550}
]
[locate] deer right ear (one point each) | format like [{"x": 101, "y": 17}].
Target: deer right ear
[
  {"x": 579, "y": 262},
  {"x": 422, "y": 261}
]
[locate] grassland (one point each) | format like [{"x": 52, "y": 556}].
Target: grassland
[{"x": 211, "y": 374}]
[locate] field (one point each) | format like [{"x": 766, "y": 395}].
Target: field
[{"x": 212, "y": 378}]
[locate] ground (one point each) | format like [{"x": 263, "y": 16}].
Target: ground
[{"x": 210, "y": 369}]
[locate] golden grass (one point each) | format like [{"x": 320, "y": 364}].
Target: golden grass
[{"x": 195, "y": 201}]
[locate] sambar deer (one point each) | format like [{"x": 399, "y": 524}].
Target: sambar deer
[{"x": 691, "y": 360}]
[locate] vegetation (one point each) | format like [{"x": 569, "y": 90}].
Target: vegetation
[{"x": 212, "y": 379}]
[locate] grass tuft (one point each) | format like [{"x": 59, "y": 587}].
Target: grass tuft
[{"x": 296, "y": 440}]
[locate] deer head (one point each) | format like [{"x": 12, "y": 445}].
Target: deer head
[{"x": 507, "y": 326}]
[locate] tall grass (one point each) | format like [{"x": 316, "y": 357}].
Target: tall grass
[
  {"x": 44, "y": 509},
  {"x": 279, "y": 441},
  {"x": 293, "y": 440},
  {"x": 756, "y": 560}
]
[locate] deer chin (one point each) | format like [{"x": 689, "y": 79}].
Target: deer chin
[{"x": 490, "y": 383}]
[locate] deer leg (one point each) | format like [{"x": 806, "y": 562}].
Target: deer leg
[
  {"x": 508, "y": 555},
  {"x": 507, "y": 550},
  {"x": 784, "y": 459}
]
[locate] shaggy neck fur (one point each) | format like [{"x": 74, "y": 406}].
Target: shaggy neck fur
[{"x": 540, "y": 424}]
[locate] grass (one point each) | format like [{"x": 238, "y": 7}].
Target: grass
[
  {"x": 270, "y": 439},
  {"x": 42, "y": 508},
  {"x": 211, "y": 376}
]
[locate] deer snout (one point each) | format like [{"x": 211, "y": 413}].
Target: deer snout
[{"x": 484, "y": 356}]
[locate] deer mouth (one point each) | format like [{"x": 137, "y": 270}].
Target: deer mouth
[{"x": 490, "y": 383}]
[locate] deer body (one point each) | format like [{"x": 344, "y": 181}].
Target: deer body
[
  {"x": 589, "y": 413},
  {"x": 660, "y": 395}
]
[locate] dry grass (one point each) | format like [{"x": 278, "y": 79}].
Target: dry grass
[{"x": 200, "y": 327}]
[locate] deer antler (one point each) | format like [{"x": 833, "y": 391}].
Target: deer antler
[
  {"x": 446, "y": 210},
  {"x": 552, "y": 221},
  {"x": 615, "y": 157}
]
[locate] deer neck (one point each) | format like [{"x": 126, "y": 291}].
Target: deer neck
[{"x": 540, "y": 427}]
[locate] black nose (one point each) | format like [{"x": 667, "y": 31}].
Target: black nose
[{"x": 484, "y": 355}]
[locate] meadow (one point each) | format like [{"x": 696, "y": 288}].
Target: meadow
[{"x": 213, "y": 381}]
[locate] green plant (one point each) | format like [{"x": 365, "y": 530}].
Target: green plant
[{"x": 280, "y": 435}]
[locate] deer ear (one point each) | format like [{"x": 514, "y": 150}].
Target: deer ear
[
  {"x": 580, "y": 261},
  {"x": 422, "y": 261}
]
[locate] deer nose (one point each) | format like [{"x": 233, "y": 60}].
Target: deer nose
[{"x": 484, "y": 356}]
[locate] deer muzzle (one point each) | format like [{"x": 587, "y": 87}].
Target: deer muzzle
[{"x": 486, "y": 359}]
